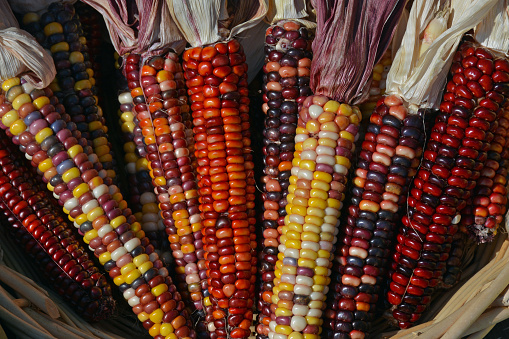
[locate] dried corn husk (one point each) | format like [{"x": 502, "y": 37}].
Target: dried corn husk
[
  {"x": 200, "y": 24},
  {"x": 351, "y": 37},
  {"x": 297, "y": 10},
  {"x": 492, "y": 32},
  {"x": 122, "y": 23},
  {"x": 419, "y": 79},
  {"x": 142, "y": 26},
  {"x": 157, "y": 31},
  {"x": 20, "y": 54}
]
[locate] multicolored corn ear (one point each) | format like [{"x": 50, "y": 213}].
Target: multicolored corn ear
[
  {"x": 455, "y": 157},
  {"x": 217, "y": 87},
  {"x": 38, "y": 226},
  {"x": 286, "y": 85},
  {"x": 388, "y": 160}
]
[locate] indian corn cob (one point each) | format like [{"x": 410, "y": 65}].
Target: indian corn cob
[
  {"x": 490, "y": 195},
  {"x": 74, "y": 82},
  {"x": 217, "y": 87},
  {"x": 51, "y": 239},
  {"x": 162, "y": 82},
  {"x": 286, "y": 85},
  {"x": 324, "y": 144},
  {"x": 388, "y": 160},
  {"x": 98, "y": 210},
  {"x": 454, "y": 159},
  {"x": 143, "y": 200}
]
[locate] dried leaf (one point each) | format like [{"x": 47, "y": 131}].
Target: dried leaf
[
  {"x": 21, "y": 54},
  {"x": 419, "y": 80},
  {"x": 157, "y": 30},
  {"x": 493, "y": 31},
  {"x": 298, "y": 10},
  {"x": 351, "y": 36},
  {"x": 199, "y": 22},
  {"x": 122, "y": 23}
]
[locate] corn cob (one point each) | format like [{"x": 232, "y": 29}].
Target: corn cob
[
  {"x": 324, "y": 145},
  {"x": 90, "y": 21},
  {"x": 143, "y": 201},
  {"x": 490, "y": 195},
  {"x": 217, "y": 87},
  {"x": 453, "y": 160},
  {"x": 74, "y": 81},
  {"x": 284, "y": 90},
  {"x": 98, "y": 210},
  {"x": 162, "y": 83},
  {"x": 73, "y": 273}
]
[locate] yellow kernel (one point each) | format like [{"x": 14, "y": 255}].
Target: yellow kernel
[
  {"x": 30, "y": 18},
  {"x": 327, "y": 142},
  {"x": 283, "y": 329},
  {"x": 303, "y": 262},
  {"x": 308, "y": 254},
  {"x": 322, "y": 176},
  {"x": 159, "y": 289},
  {"x": 289, "y": 270},
  {"x": 310, "y": 144},
  {"x": 21, "y": 100},
  {"x": 301, "y": 130},
  {"x": 127, "y": 268},
  {"x": 345, "y": 110},
  {"x": 300, "y": 210},
  {"x": 143, "y": 316},
  {"x": 95, "y": 213},
  {"x": 76, "y": 57},
  {"x": 311, "y": 219},
  {"x": 118, "y": 221},
  {"x": 43, "y": 134},
  {"x": 53, "y": 28},
  {"x": 82, "y": 84},
  {"x": 324, "y": 254},
  {"x": 317, "y": 202},
  {"x": 334, "y": 203},
  {"x": 89, "y": 235},
  {"x": 140, "y": 259},
  {"x": 330, "y": 127},
  {"x": 320, "y": 184},
  {"x": 157, "y": 316},
  {"x": 318, "y": 193},
  {"x": 80, "y": 219},
  {"x": 283, "y": 312},
  {"x": 319, "y": 270},
  {"x": 7, "y": 84},
  {"x": 343, "y": 161},
  {"x": 17, "y": 127},
  {"x": 95, "y": 125},
  {"x": 80, "y": 190},
  {"x": 296, "y": 335},
  {"x": 119, "y": 280},
  {"x": 347, "y": 135},
  {"x": 155, "y": 329},
  {"x": 145, "y": 267},
  {"x": 74, "y": 150},
  {"x": 60, "y": 47},
  {"x": 316, "y": 212},
  {"x": 307, "y": 165},
  {"x": 166, "y": 329},
  {"x": 104, "y": 257},
  {"x": 293, "y": 244},
  {"x": 45, "y": 165},
  {"x": 295, "y": 227},
  {"x": 331, "y": 106},
  {"x": 132, "y": 276}
]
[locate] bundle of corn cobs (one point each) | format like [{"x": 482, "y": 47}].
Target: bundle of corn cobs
[{"x": 227, "y": 207}]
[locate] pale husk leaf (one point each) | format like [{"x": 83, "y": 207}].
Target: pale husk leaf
[
  {"x": 400, "y": 31},
  {"x": 122, "y": 25},
  {"x": 197, "y": 21},
  {"x": 420, "y": 80},
  {"x": 21, "y": 54},
  {"x": 297, "y": 10},
  {"x": 157, "y": 29},
  {"x": 493, "y": 31}
]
